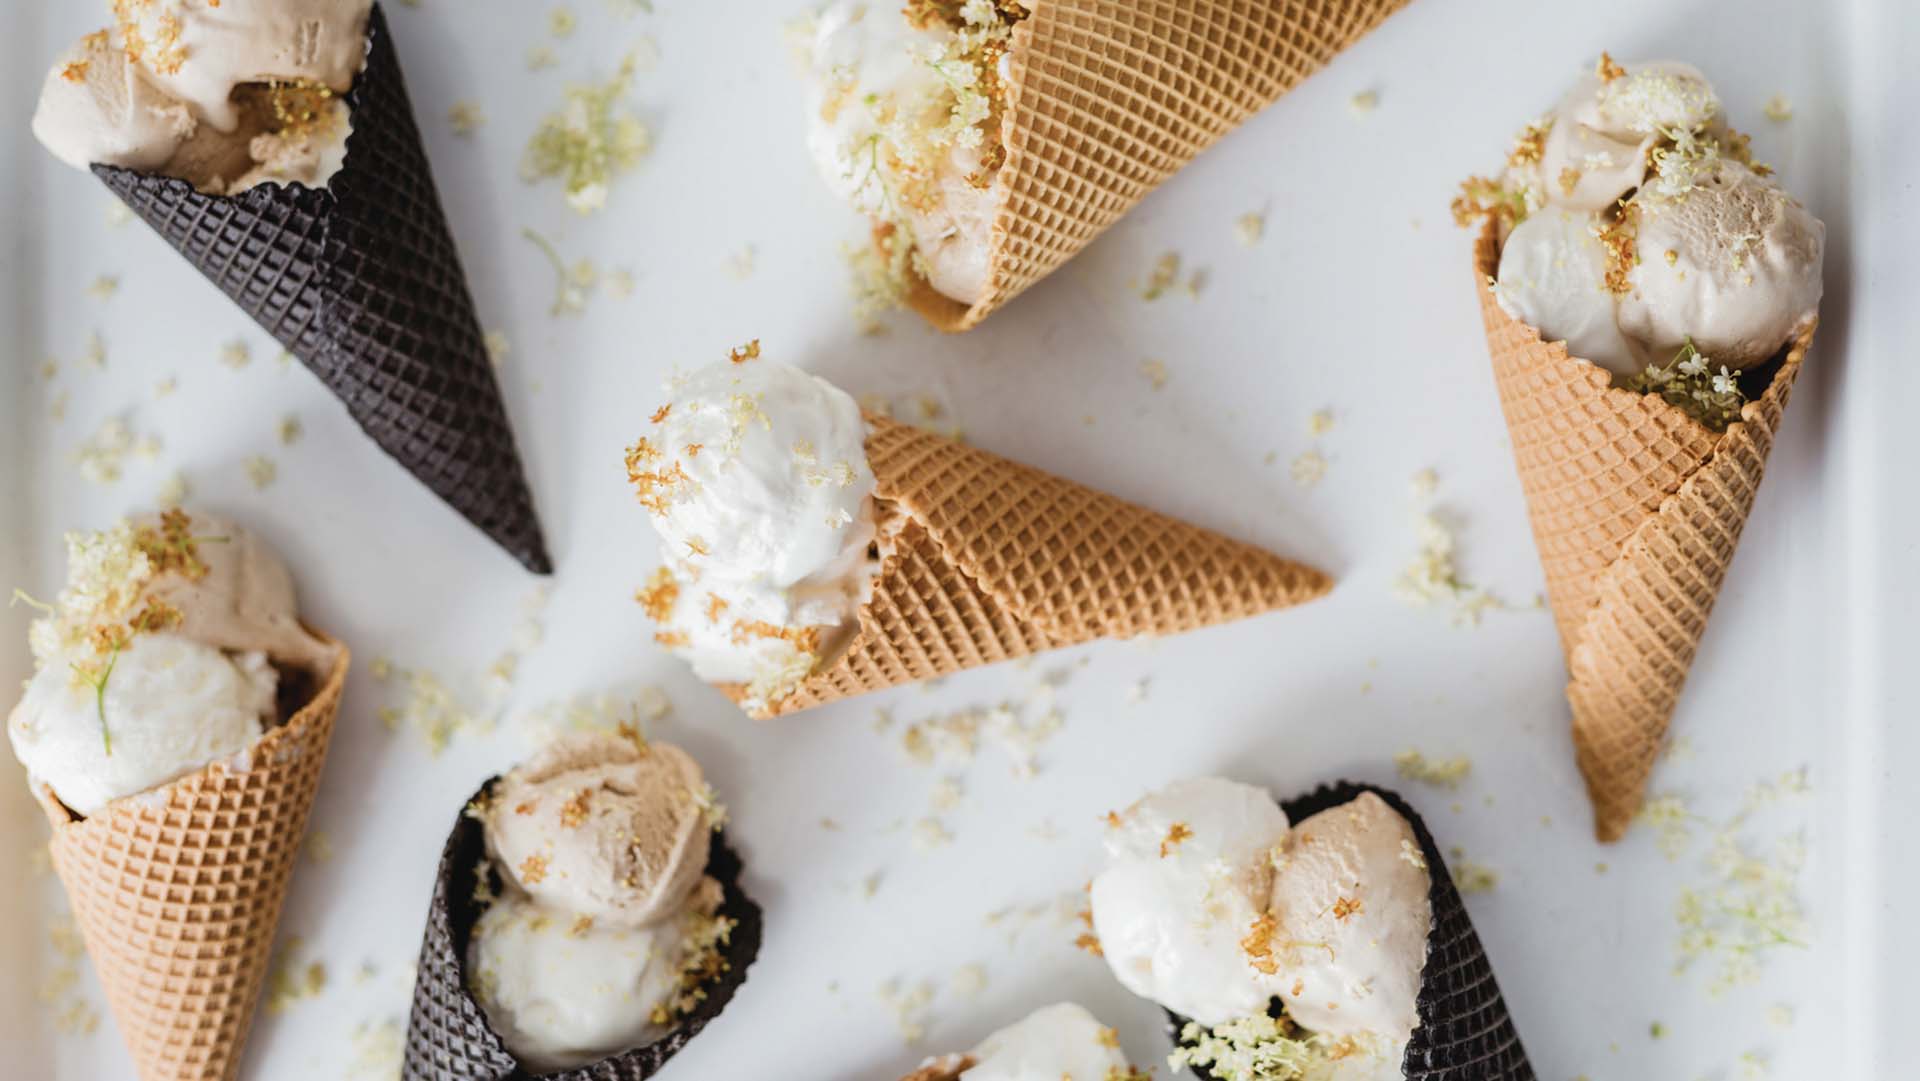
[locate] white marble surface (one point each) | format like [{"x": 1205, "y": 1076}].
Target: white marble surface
[{"x": 1357, "y": 300}]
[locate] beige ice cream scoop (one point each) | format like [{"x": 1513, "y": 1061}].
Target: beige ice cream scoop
[
  {"x": 223, "y": 96},
  {"x": 1733, "y": 265},
  {"x": 603, "y": 826},
  {"x": 198, "y": 52},
  {"x": 243, "y": 601},
  {"x": 98, "y": 106},
  {"x": 1350, "y": 901}
]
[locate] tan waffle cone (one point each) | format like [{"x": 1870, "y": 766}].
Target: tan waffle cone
[
  {"x": 177, "y": 892},
  {"x": 1108, "y": 98},
  {"x": 995, "y": 560},
  {"x": 1636, "y": 509}
]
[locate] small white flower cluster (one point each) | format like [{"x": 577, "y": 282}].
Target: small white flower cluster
[
  {"x": 1689, "y": 382},
  {"x": 1647, "y": 94},
  {"x": 105, "y": 573}
]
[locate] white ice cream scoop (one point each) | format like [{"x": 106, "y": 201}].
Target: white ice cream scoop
[
  {"x": 1054, "y": 1042},
  {"x": 764, "y": 476},
  {"x": 757, "y": 478},
  {"x": 1185, "y": 885},
  {"x": 564, "y": 991},
  {"x": 1553, "y": 278},
  {"x": 1352, "y": 917},
  {"x": 171, "y": 706},
  {"x": 1732, "y": 264}
]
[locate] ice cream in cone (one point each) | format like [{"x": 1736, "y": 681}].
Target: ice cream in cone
[
  {"x": 174, "y": 732},
  {"x": 587, "y": 920},
  {"x": 1322, "y": 937},
  {"x": 273, "y": 145},
  {"x": 816, "y": 554},
  {"x": 991, "y": 142},
  {"x": 1649, "y": 295}
]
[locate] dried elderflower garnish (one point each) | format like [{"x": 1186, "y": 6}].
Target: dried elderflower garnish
[
  {"x": 1264, "y": 1048},
  {"x": 103, "y": 605}
]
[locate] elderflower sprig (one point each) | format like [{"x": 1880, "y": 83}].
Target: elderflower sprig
[
  {"x": 103, "y": 604},
  {"x": 1690, "y": 383},
  {"x": 1263, "y": 1048},
  {"x": 590, "y": 141}
]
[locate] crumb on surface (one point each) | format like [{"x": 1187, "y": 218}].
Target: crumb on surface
[
  {"x": 465, "y": 117},
  {"x": 1248, "y": 228},
  {"x": 1443, "y": 773},
  {"x": 1162, "y": 277},
  {"x": 293, "y": 979},
  {"x": 1470, "y": 877},
  {"x": 1309, "y": 468},
  {"x": 498, "y": 347},
  {"x": 261, "y": 471}
]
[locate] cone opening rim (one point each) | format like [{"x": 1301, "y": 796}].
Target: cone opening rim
[
  {"x": 299, "y": 190},
  {"x": 1486, "y": 265},
  {"x": 894, "y": 521},
  {"x": 325, "y": 696}
]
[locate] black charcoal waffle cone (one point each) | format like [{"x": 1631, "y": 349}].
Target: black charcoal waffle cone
[
  {"x": 1465, "y": 1032},
  {"x": 361, "y": 281},
  {"x": 448, "y": 1037}
]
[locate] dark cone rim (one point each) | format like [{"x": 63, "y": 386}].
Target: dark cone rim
[
  {"x": 455, "y": 908},
  {"x": 1442, "y": 895}
]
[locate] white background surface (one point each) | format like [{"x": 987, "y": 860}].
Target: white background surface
[{"x": 1358, "y": 300}]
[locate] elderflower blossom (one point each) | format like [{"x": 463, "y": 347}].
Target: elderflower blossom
[
  {"x": 105, "y": 573},
  {"x": 1690, "y": 382},
  {"x": 1747, "y": 904},
  {"x": 1262, "y": 1048},
  {"x": 1433, "y": 576},
  {"x": 590, "y": 141}
]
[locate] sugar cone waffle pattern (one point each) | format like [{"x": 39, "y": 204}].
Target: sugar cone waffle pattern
[
  {"x": 1636, "y": 509},
  {"x": 1109, "y": 98},
  {"x": 1466, "y": 1032},
  {"x": 997, "y": 560},
  {"x": 448, "y": 1037},
  {"x": 177, "y": 892},
  {"x": 362, "y": 282}
]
